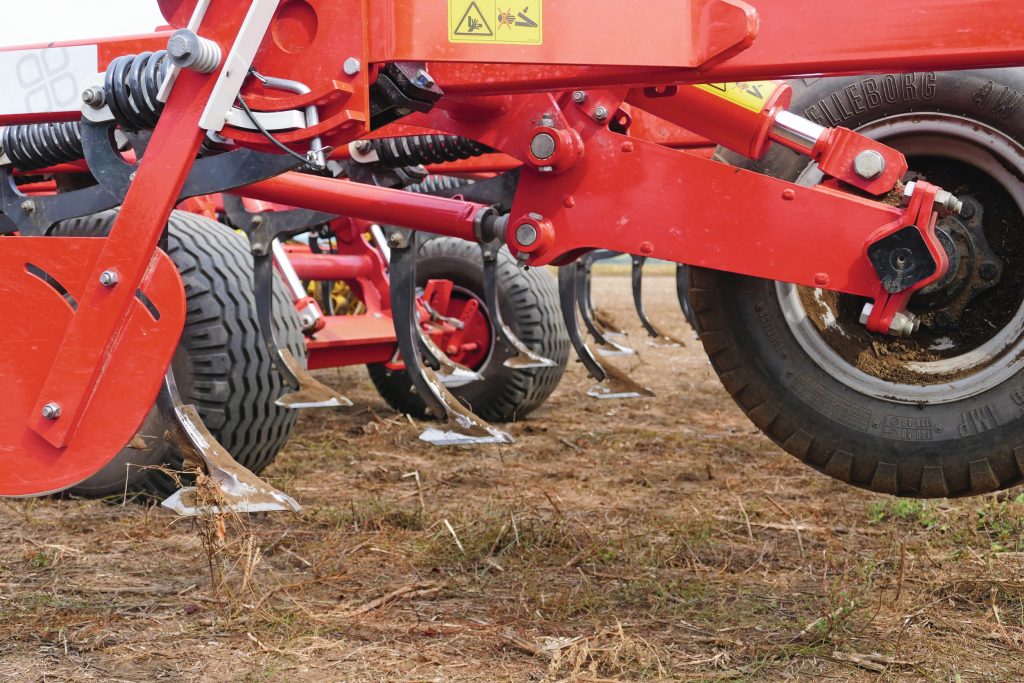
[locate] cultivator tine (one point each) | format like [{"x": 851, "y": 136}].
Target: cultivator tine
[
  {"x": 683, "y": 291},
  {"x": 462, "y": 426},
  {"x": 660, "y": 338},
  {"x": 309, "y": 392},
  {"x": 263, "y": 231},
  {"x": 585, "y": 304},
  {"x": 450, "y": 373},
  {"x": 612, "y": 382},
  {"x": 520, "y": 356},
  {"x": 602, "y": 319},
  {"x": 234, "y": 488}
]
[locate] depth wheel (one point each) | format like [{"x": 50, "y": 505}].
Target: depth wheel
[
  {"x": 529, "y": 306},
  {"x": 938, "y": 414},
  {"x": 221, "y": 365}
]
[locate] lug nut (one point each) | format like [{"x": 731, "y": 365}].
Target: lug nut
[
  {"x": 543, "y": 146},
  {"x": 526, "y": 234},
  {"x": 51, "y": 411},
  {"x": 869, "y": 164},
  {"x": 946, "y": 203},
  {"x": 989, "y": 270},
  {"x": 108, "y": 278}
]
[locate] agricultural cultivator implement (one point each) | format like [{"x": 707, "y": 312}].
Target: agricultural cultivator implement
[{"x": 851, "y": 255}]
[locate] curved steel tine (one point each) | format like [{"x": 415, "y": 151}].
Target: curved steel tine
[
  {"x": 683, "y": 291},
  {"x": 309, "y": 392},
  {"x": 463, "y": 427},
  {"x": 661, "y": 338},
  {"x": 238, "y": 489},
  {"x": 612, "y": 382},
  {"x": 519, "y": 356},
  {"x": 602, "y": 319},
  {"x": 605, "y": 346}
]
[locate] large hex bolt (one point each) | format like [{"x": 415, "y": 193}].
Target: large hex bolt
[
  {"x": 51, "y": 411},
  {"x": 190, "y": 51},
  {"x": 869, "y": 164}
]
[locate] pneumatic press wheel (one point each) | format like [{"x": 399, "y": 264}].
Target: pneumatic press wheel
[
  {"x": 936, "y": 414},
  {"x": 529, "y": 306},
  {"x": 221, "y": 365}
]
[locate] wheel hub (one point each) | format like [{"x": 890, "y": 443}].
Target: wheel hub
[{"x": 973, "y": 269}]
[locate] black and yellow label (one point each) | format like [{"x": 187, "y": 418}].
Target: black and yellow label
[
  {"x": 752, "y": 95},
  {"x": 496, "y": 22}
]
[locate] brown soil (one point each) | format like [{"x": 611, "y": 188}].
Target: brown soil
[{"x": 660, "y": 539}]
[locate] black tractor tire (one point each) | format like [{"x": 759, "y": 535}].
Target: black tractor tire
[
  {"x": 530, "y": 308},
  {"x": 221, "y": 365},
  {"x": 968, "y": 446}
]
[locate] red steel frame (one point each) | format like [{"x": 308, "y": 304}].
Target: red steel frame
[{"x": 596, "y": 195}]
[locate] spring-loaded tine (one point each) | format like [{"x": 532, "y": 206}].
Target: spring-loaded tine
[
  {"x": 517, "y": 354},
  {"x": 601, "y": 318},
  {"x": 612, "y": 382},
  {"x": 661, "y": 339},
  {"x": 450, "y": 373},
  {"x": 605, "y": 346},
  {"x": 309, "y": 392},
  {"x": 683, "y": 291},
  {"x": 234, "y": 489},
  {"x": 462, "y": 427}
]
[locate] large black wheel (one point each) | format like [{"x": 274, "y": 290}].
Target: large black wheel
[
  {"x": 530, "y": 308},
  {"x": 938, "y": 414},
  {"x": 221, "y": 365}
]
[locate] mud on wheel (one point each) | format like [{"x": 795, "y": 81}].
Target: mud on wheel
[
  {"x": 529, "y": 306},
  {"x": 936, "y": 414},
  {"x": 221, "y": 365}
]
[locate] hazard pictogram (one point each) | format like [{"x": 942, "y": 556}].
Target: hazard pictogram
[{"x": 473, "y": 23}]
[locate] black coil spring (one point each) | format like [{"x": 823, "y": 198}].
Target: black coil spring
[
  {"x": 131, "y": 87},
  {"x": 39, "y": 145},
  {"x": 414, "y": 150},
  {"x": 439, "y": 184}
]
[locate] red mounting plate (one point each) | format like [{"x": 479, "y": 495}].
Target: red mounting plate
[{"x": 36, "y": 316}]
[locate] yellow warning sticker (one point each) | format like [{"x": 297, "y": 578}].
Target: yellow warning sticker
[
  {"x": 752, "y": 95},
  {"x": 497, "y": 22}
]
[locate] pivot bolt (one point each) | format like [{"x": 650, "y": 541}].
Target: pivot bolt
[
  {"x": 188, "y": 50},
  {"x": 869, "y": 164},
  {"x": 601, "y": 114},
  {"x": 95, "y": 97},
  {"x": 51, "y": 411},
  {"x": 352, "y": 66},
  {"x": 543, "y": 146},
  {"x": 109, "y": 278},
  {"x": 526, "y": 234}
]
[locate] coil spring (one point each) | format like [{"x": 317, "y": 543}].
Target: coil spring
[
  {"x": 414, "y": 150},
  {"x": 130, "y": 89},
  {"x": 437, "y": 184},
  {"x": 42, "y": 144}
]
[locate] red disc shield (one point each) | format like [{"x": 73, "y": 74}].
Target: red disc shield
[{"x": 41, "y": 279}]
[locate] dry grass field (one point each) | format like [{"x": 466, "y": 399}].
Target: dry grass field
[{"x": 661, "y": 539}]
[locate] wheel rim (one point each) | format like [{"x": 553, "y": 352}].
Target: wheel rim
[
  {"x": 474, "y": 351},
  {"x": 959, "y": 375}
]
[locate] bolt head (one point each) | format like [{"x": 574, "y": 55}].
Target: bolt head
[
  {"x": 989, "y": 270},
  {"x": 352, "y": 66},
  {"x": 869, "y": 164},
  {"x": 94, "y": 97},
  {"x": 526, "y": 235},
  {"x": 543, "y": 146},
  {"x": 51, "y": 411},
  {"x": 601, "y": 114},
  {"x": 28, "y": 206},
  {"x": 579, "y": 97},
  {"x": 109, "y": 278},
  {"x": 179, "y": 47}
]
